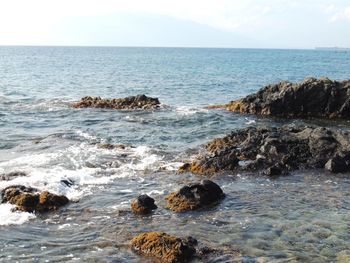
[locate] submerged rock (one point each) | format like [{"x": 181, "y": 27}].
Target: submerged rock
[
  {"x": 194, "y": 196},
  {"x": 109, "y": 146},
  {"x": 139, "y": 102},
  {"x": 164, "y": 247},
  {"x": 310, "y": 98},
  {"x": 11, "y": 175},
  {"x": 275, "y": 151},
  {"x": 29, "y": 200},
  {"x": 143, "y": 205}
]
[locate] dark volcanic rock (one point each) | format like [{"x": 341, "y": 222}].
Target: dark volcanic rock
[
  {"x": 164, "y": 247},
  {"x": 311, "y": 98},
  {"x": 194, "y": 196},
  {"x": 337, "y": 164},
  {"x": 275, "y": 151},
  {"x": 29, "y": 200},
  {"x": 143, "y": 205},
  {"x": 274, "y": 170},
  {"x": 139, "y": 102},
  {"x": 223, "y": 160}
]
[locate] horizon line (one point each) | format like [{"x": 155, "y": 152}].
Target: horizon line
[
  {"x": 180, "y": 47},
  {"x": 318, "y": 48}
]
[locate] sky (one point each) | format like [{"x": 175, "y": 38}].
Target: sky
[{"x": 176, "y": 23}]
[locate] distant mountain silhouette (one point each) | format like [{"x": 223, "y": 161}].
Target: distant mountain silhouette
[{"x": 149, "y": 30}]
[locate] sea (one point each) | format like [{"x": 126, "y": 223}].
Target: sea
[{"x": 303, "y": 217}]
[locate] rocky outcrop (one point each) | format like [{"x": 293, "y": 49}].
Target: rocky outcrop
[
  {"x": 30, "y": 200},
  {"x": 139, "y": 102},
  {"x": 275, "y": 151},
  {"x": 164, "y": 247},
  {"x": 321, "y": 98},
  {"x": 143, "y": 205},
  {"x": 195, "y": 196}
]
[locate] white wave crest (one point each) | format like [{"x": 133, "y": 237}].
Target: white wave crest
[
  {"x": 7, "y": 217},
  {"x": 249, "y": 122},
  {"x": 84, "y": 165},
  {"x": 188, "y": 110},
  {"x": 43, "y": 105}
]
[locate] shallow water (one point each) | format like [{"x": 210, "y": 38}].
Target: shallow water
[{"x": 299, "y": 218}]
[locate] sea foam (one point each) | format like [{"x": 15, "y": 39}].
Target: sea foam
[{"x": 84, "y": 165}]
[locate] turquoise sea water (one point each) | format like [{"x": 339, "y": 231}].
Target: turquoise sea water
[{"x": 300, "y": 218}]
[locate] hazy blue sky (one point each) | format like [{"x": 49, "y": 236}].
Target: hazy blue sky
[{"x": 197, "y": 23}]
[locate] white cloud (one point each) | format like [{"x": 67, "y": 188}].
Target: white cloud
[
  {"x": 342, "y": 15},
  {"x": 329, "y": 8},
  {"x": 337, "y": 13}
]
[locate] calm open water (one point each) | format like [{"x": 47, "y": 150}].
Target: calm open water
[{"x": 300, "y": 218}]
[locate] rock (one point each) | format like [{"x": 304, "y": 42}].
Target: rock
[
  {"x": 321, "y": 98},
  {"x": 109, "y": 146},
  {"x": 337, "y": 164},
  {"x": 275, "y": 151},
  {"x": 224, "y": 160},
  {"x": 139, "y": 102},
  {"x": 67, "y": 182},
  {"x": 8, "y": 192},
  {"x": 49, "y": 201},
  {"x": 223, "y": 254},
  {"x": 143, "y": 205},
  {"x": 164, "y": 247},
  {"x": 29, "y": 200},
  {"x": 274, "y": 170},
  {"x": 195, "y": 196},
  {"x": 11, "y": 175},
  {"x": 184, "y": 168}
]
